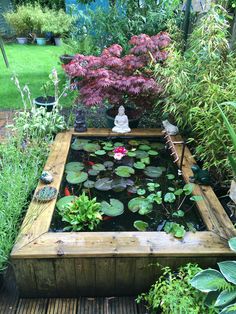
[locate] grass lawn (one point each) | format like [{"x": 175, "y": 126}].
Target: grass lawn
[{"x": 32, "y": 64}]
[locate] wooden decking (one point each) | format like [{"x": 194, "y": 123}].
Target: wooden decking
[{"x": 11, "y": 304}]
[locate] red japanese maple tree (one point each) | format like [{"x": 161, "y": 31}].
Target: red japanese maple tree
[{"x": 121, "y": 79}]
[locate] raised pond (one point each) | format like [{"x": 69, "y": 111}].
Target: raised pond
[{"x": 117, "y": 259}]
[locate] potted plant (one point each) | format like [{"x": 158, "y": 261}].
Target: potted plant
[
  {"x": 38, "y": 19},
  {"x": 121, "y": 80},
  {"x": 59, "y": 24},
  {"x": 20, "y": 21}
]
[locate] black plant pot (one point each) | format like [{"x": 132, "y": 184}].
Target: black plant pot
[
  {"x": 65, "y": 59},
  {"x": 46, "y": 102},
  {"x": 134, "y": 116}
]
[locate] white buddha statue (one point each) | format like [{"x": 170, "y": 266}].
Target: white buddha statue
[{"x": 121, "y": 122}]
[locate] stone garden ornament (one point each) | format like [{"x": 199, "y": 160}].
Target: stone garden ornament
[
  {"x": 121, "y": 122},
  {"x": 80, "y": 123},
  {"x": 170, "y": 128}
]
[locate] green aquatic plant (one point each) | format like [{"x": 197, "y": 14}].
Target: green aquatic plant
[{"x": 81, "y": 214}]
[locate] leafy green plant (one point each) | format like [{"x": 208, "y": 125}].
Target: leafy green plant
[
  {"x": 196, "y": 82},
  {"x": 58, "y": 22},
  {"x": 172, "y": 293},
  {"x": 82, "y": 214},
  {"x": 219, "y": 285},
  {"x": 52, "y": 4}
]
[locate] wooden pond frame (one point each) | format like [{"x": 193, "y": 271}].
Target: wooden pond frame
[{"x": 73, "y": 264}]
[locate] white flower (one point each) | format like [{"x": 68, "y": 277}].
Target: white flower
[{"x": 118, "y": 156}]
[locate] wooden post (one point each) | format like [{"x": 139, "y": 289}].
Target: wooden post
[
  {"x": 4, "y": 53},
  {"x": 187, "y": 20}
]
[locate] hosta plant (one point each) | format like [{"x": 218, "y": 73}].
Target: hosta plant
[
  {"x": 219, "y": 285},
  {"x": 82, "y": 214},
  {"x": 118, "y": 78}
]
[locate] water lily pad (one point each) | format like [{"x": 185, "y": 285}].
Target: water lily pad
[
  {"x": 170, "y": 176},
  {"x": 141, "y": 192},
  {"x": 98, "y": 167},
  {"x": 78, "y": 144},
  {"x": 157, "y": 145},
  {"x": 103, "y": 184},
  {"x": 62, "y": 202},
  {"x": 144, "y": 147},
  {"x": 91, "y": 147},
  {"x": 100, "y": 152},
  {"x": 152, "y": 152},
  {"x": 119, "y": 184},
  {"x": 93, "y": 172},
  {"x": 145, "y": 160},
  {"x": 141, "y": 154},
  {"x": 108, "y": 164},
  {"x": 89, "y": 184},
  {"x": 74, "y": 166},
  {"x": 140, "y": 225},
  {"x": 153, "y": 172},
  {"x": 134, "y": 142},
  {"x": 117, "y": 144},
  {"x": 169, "y": 197},
  {"x": 131, "y": 154},
  {"x": 115, "y": 208},
  {"x": 76, "y": 177},
  {"x": 108, "y": 148},
  {"x": 139, "y": 165},
  {"x": 124, "y": 171},
  {"x": 141, "y": 205},
  {"x": 132, "y": 190}
]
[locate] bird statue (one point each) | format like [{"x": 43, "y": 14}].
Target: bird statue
[
  {"x": 170, "y": 128},
  {"x": 200, "y": 176}
]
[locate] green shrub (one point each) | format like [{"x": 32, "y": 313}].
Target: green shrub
[
  {"x": 173, "y": 294},
  {"x": 196, "y": 82},
  {"x": 21, "y": 167},
  {"x": 52, "y": 4},
  {"x": 57, "y": 22}
]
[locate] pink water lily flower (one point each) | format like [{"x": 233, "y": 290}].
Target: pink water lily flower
[{"x": 118, "y": 156}]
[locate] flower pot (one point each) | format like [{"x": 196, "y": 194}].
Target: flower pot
[
  {"x": 58, "y": 41},
  {"x": 22, "y": 40},
  {"x": 46, "y": 102},
  {"x": 41, "y": 41},
  {"x": 134, "y": 116},
  {"x": 65, "y": 59}
]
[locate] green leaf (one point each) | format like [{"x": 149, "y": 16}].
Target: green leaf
[
  {"x": 170, "y": 176},
  {"x": 98, "y": 167},
  {"x": 131, "y": 154},
  {"x": 175, "y": 229},
  {"x": 169, "y": 198},
  {"x": 196, "y": 198},
  {"x": 115, "y": 208},
  {"x": 230, "y": 309},
  {"x": 93, "y": 172},
  {"x": 141, "y": 191},
  {"x": 103, "y": 184},
  {"x": 91, "y": 147},
  {"x": 124, "y": 171},
  {"x": 153, "y": 172},
  {"x": 141, "y": 154},
  {"x": 89, "y": 184},
  {"x": 178, "y": 214},
  {"x": 144, "y": 147},
  {"x": 139, "y": 165},
  {"x": 62, "y": 202},
  {"x": 152, "y": 152},
  {"x": 232, "y": 244},
  {"x": 140, "y": 225},
  {"x": 100, "y": 152},
  {"x": 188, "y": 188},
  {"x": 78, "y": 144},
  {"x": 178, "y": 192},
  {"x": 225, "y": 297},
  {"x": 145, "y": 160},
  {"x": 230, "y": 129},
  {"x": 228, "y": 269},
  {"x": 76, "y": 177},
  {"x": 74, "y": 166},
  {"x": 208, "y": 280},
  {"x": 139, "y": 203}
]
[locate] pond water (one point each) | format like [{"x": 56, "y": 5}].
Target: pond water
[{"x": 140, "y": 174}]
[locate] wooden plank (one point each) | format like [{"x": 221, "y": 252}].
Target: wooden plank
[
  {"x": 85, "y": 276},
  {"x": 25, "y": 277},
  {"x": 108, "y": 244},
  {"x": 105, "y": 276},
  {"x": 45, "y": 277},
  {"x": 62, "y": 306},
  {"x": 39, "y": 215},
  {"x": 91, "y": 306},
  {"x": 65, "y": 277},
  {"x": 32, "y": 306},
  {"x": 122, "y": 305},
  {"x": 125, "y": 274},
  {"x": 211, "y": 210},
  {"x": 103, "y": 132}
]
